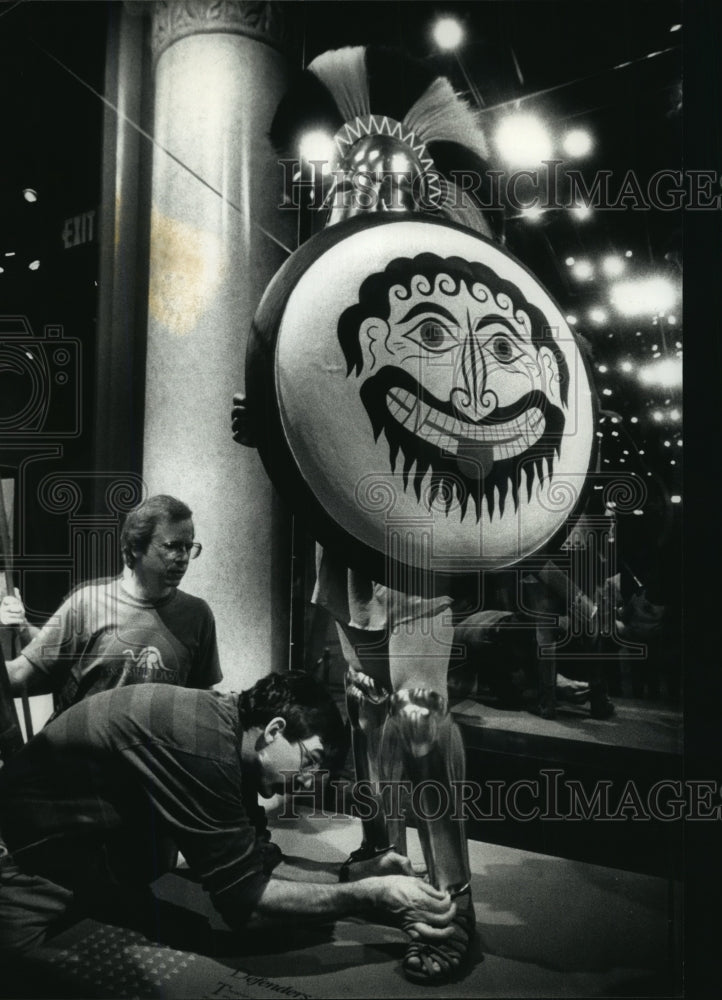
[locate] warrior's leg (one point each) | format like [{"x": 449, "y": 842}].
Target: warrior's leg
[
  {"x": 434, "y": 761},
  {"x": 433, "y": 755},
  {"x": 367, "y": 703}
]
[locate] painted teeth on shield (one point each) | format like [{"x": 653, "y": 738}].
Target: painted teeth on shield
[{"x": 449, "y": 433}]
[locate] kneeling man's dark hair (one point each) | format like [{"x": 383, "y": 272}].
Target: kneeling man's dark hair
[{"x": 307, "y": 708}]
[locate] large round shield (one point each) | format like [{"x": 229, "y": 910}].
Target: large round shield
[{"x": 419, "y": 397}]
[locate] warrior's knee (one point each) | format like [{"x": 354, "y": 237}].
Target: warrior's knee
[
  {"x": 367, "y": 703},
  {"x": 427, "y": 732},
  {"x": 421, "y": 717}
]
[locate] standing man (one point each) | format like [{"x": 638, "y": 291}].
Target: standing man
[
  {"x": 84, "y": 803},
  {"x": 131, "y": 629}
]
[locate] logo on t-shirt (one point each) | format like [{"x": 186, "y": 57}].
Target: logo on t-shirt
[{"x": 147, "y": 666}]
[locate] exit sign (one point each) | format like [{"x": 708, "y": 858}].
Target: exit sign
[{"x": 79, "y": 229}]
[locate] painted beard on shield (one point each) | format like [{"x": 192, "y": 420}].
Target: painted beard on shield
[{"x": 432, "y": 434}]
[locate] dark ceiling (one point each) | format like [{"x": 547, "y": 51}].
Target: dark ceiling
[{"x": 611, "y": 68}]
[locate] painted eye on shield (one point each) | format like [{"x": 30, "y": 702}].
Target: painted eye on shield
[
  {"x": 502, "y": 348},
  {"x": 433, "y": 335}
]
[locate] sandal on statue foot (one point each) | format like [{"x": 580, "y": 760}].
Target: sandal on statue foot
[{"x": 439, "y": 962}]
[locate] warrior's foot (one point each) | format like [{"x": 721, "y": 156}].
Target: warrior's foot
[{"x": 445, "y": 961}]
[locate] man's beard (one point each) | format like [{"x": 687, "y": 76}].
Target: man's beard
[{"x": 471, "y": 472}]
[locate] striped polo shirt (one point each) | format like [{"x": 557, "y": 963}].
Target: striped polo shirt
[{"x": 96, "y": 796}]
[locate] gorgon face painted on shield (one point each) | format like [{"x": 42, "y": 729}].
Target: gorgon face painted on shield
[{"x": 462, "y": 375}]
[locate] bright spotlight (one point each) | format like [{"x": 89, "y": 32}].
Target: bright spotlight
[
  {"x": 672, "y": 320},
  {"x": 613, "y": 266},
  {"x": 34, "y": 265},
  {"x": 627, "y": 366},
  {"x": 318, "y": 146},
  {"x": 643, "y": 296},
  {"x": 448, "y": 33},
  {"x": 523, "y": 140},
  {"x": 628, "y": 253},
  {"x": 577, "y": 142},
  {"x": 667, "y": 373},
  {"x": 569, "y": 261},
  {"x": 30, "y": 194},
  {"x": 598, "y": 315},
  {"x": 581, "y": 212},
  {"x": 571, "y": 319},
  {"x": 676, "y": 498},
  {"x": 658, "y": 417},
  {"x": 533, "y": 214},
  {"x": 675, "y": 414},
  {"x": 583, "y": 270}
]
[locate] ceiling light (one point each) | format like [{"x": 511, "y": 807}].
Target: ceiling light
[
  {"x": 448, "y": 33},
  {"x": 569, "y": 261},
  {"x": 643, "y": 296},
  {"x": 577, "y": 142},
  {"x": 613, "y": 266},
  {"x": 318, "y": 146},
  {"x": 34, "y": 265},
  {"x": 523, "y": 140},
  {"x": 533, "y": 214},
  {"x": 597, "y": 315},
  {"x": 667, "y": 372},
  {"x": 30, "y": 194},
  {"x": 583, "y": 270},
  {"x": 627, "y": 366},
  {"x": 571, "y": 319},
  {"x": 581, "y": 211}
]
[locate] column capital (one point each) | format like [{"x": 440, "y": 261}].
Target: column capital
[{"x": 172, "y": 20}]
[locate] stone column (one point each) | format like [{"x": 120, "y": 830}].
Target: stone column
[{"x": 219, "y": 75}]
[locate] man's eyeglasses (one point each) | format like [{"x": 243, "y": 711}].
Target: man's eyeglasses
[
  {"x": 309, "y": 763},
  {"x": 178, "y": 550}
]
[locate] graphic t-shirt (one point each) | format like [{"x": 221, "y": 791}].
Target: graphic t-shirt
[{"x": 103, "y": 638}]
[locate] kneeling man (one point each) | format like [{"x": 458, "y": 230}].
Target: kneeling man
[{"x": 86, "y": 806}]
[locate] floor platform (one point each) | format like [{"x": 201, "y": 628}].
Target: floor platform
[{"x": 548, "y": 927}]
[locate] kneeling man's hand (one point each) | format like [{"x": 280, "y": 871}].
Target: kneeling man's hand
[{"x": 423, "y": 910}]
